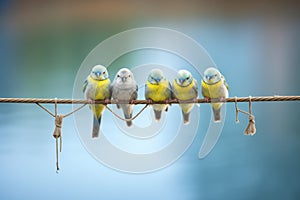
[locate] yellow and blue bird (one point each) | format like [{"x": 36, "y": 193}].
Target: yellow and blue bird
[
  {"x": 185, "y": 88},
  {"x": 97, "y": 87},
  {"x": 214, "y": 86},
  {"x": 158, "y": 88}
]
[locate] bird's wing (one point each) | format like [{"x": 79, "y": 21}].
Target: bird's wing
[
  {"x": 84, "y": 85},
  {"x": 170, "y": 90},
  {"x": 225, "y": 83},
  {"x": 195, "y": 87},
  {"x": 113, "y": 89},
  {"x": 110, "y": 88},
  {"x": 147, "y": 91},
  {"x": 135, "y": 93},
  {"x": 204, "y": 90}
]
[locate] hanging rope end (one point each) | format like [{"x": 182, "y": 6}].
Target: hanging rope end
[{"x": 251, "y": 129}]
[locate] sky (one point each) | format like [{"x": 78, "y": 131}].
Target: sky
[{"x": 45, "y": 52}]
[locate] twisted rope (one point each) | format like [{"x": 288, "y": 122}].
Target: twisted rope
[
  {"x": 82, "y": 101},
  {"x": 59, "y": 117},
  {"x": 126, "y": 120}
]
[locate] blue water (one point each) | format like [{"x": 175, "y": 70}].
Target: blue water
[{"x": 256, "y": 58}]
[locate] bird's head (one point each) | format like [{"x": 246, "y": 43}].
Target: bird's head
[
  {"x": 212, "y": 75},
  {"x": 184, "y": 78},
  {"x": 124, "y": 75},
  {"x": 155, "y": 76},
  {"x": 99, "y": 73}
]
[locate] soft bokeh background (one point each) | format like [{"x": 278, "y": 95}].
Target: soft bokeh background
[{"x": 254, "y": 43}]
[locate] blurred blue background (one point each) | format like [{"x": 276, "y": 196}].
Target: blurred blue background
[{"x": 254, "y": 43}]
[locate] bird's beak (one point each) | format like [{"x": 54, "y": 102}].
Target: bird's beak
[
  {"x": 97, "y": 74},
  {"x": 157, "y": 80},
  {"x": 181, "y": 81},
  {"x": 208, "y": 77},
  {"x": 123, "y": 79}
]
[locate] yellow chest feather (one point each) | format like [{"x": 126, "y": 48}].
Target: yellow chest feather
[
  {"x": 184, "y": 93},
  {"x": 211, "y": 91},
  {"x": 158, "y": 92},
  {"x": 100, "y": 88}
]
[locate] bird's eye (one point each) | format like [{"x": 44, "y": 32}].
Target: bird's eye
[
  {"x": 187, "y": 78},
  {"x": 104, "y": 72},
  {"x": 215, "y": 75},
  {"x": 129, "y": 76},
  {"x": 118, "y": 76}
]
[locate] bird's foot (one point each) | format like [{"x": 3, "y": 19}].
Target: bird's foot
[
  {"x": 149, "y": 101},
  {"x": 91, "y": 101},
  {"x": 207, "y": 99},
  {"x": 106, "y": 101},
  {"x": 167, "y": 101},
  {"x": 195, "y": 100},
  {"x": 176, "y": 100},
  {"x": 131, "y": 101},
  {"x": 222, "y": 99}
]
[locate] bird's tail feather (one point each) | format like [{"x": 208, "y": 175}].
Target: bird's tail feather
[
  {"x": 186, "y": 117},
  {"x": 217, "y": 114},
  {"x": 128, "y": 116},
  {"x": 157, "y": 114},
  {"x": 129, "y": 123},
  {"x": 96, "y": 127}
]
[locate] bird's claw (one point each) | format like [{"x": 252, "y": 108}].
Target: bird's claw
[
  {"x": 207, "y": 99},
  {"x": 106, "y": 101},
  {"x": 222, "y": 99},
  {"x": 149, "y": 101},
  {"x": 131, "y": 101},
  {"x": 167, "y": 101},
  {"x": 195, "y": 100},
  {"x": 91, "y": 101}
]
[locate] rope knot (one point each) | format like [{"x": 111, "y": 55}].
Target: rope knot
[
  {"x": 58, "y": 125},
  {"x": 251, "y": 129}
]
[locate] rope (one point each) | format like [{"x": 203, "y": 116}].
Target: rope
[
  {"x": 126, "y": 120},
  {"x": 251, "y": 129},
  {"x": 57, "y": 134},
  {"x": 174, "y": 101}
]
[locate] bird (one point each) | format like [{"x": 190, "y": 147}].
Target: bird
[
  {"x": 158, "y": 88},
  {"x": 125, "y": 88},
  {"x": 214, "y": 86},
  {"x": 97, "y": 87},
  {"x": 185, "y": 88}
]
